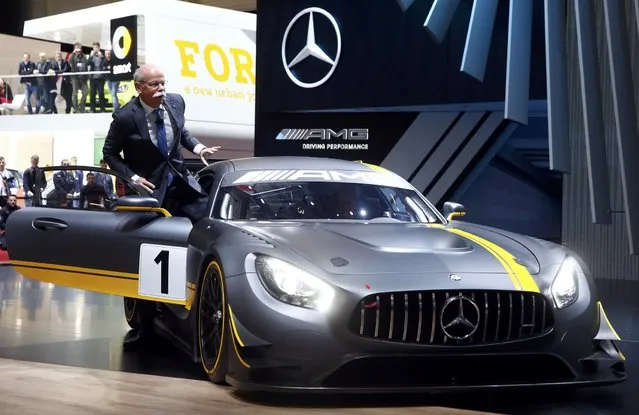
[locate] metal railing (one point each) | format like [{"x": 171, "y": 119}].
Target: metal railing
[
  {"x": 39, "y": 75},
  {"x": 19, "y": 88}
]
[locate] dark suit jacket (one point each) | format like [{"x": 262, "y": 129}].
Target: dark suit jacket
[
  {"x": 60, "y": 68},
  {"x": 33, "y": 177},
  {"x": 129, "y": 134}
]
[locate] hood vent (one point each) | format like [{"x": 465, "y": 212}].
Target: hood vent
[
  {"x": 257, "y": 237},
  {"x": 339, "y": 262}
]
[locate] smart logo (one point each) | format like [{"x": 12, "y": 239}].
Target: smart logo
[
  {"x": 124, "y": 47},
  {"x": 123, "y": 36}
]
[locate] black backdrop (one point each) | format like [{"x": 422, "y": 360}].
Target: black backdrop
[
  {"x": 13, "y": 17},
  {"x": 388, "y": 58},
  {"x": 384, "y": 129}
]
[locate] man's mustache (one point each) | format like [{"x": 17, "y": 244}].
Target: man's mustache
[{"x": 159, "y": 94}]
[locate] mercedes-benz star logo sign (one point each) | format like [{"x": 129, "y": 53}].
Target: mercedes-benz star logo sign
[
  {"x": 459, "y": 318},
  {"x": 311, "y": 49}
]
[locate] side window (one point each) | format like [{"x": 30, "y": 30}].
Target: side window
[
  {"x": 71, "y": 187},
  {"x": 232, "y": 204},
  {"x": 207, "y": 181}
]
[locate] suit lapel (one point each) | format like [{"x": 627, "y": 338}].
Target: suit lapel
[{"x": 140, "y": 119}]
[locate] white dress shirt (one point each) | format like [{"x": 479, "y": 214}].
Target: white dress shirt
[
  {"x": 151, "y": 118},
  {"x": 5, "y": 175}
]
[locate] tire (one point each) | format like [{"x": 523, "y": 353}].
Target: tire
[
  {"x": 213, "y": 324},
  {"x": 138, "y": 313}
]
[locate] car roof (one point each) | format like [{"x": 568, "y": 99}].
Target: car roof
[{"x": 295, "y": 163}]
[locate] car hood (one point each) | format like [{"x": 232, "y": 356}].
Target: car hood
[{"x": 392, "y": 248}]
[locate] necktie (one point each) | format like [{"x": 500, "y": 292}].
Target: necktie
[{"x": 163, "y": 145}]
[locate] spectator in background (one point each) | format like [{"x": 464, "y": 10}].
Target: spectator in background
[
  {"x": 6, "y": 95},
  {"x": 27, "y": 67},
  {"x": 8, "y": 182},
  {"x": 5, "y": 212},
  {"x": 64, "y": 184},
  {"x": 92, "y": 195},
  {"x": 96, "y": 83},
  {"x": 60, "y": 66},
  {"x": 45, "y": 82},
  {"x": 105, "y": 180},
  {"x": 78, "y": 175},
  {"x": 112, "y": 83},
  {"x": 79, "y": 63},
  {"x": 33, "y": 179},
  {"x": 121, "y": 188}
]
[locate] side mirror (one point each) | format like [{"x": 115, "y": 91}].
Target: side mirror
[
  {"x": 133, "y": 203},
  {"x": 452, "y": 209}
]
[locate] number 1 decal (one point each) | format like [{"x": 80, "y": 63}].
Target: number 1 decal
[
  {"x": 162, "y": 272},
  {"x": 163, "y": 260}
]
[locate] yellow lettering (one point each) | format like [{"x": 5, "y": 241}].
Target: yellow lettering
[
  {"x": 186, "y": 58},
  {"x": 226, "y": 70},
  {"x": 244, "y": 66},
  {"x": 216, "y": 61}
]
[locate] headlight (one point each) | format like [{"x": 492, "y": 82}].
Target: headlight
[
  {"x": 565, "y": 287},
  {"x": 293, "y": 285}
]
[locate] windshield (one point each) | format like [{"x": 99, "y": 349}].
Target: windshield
[{"x": 321, "y": 201}]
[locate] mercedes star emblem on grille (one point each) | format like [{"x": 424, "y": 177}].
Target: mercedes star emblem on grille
[{"x": 459, "y": 317}]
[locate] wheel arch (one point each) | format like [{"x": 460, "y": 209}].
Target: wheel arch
[
  {"x": 203, "y": 263},
  {"x": 232, "y": 338}
]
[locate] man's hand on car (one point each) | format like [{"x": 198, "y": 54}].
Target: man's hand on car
[
  {"x": 147, "y": 185},
  {"x": 207, "y": 152}
]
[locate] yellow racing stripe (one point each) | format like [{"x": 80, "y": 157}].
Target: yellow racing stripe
[
  {"x": 143, "y": 209},
  {"x": 90, "y": 279},
  {"x": 56, "y": 267},
  {"x": 519, "y": 275},
  {"x": 378, "y": 169},
  {"x": 234, "y": 327}
]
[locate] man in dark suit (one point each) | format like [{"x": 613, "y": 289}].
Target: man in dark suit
[
  {"x": 60, "y": 66},
  {"x": 64, "y": 186},
  {"x": 93, "y": 196},
  {"x": 150, "y": 132},
  {"x": 33, "y": 182}
]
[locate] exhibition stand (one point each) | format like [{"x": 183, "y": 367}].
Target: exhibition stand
[{"x": 207, "y": 54}]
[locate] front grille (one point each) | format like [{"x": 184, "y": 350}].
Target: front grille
[{"x": 452, "y": 317}]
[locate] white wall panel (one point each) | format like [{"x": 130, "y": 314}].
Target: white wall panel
[
  {"x": 73, "y": 143},
  {"x": 17, "y": 147},
  {"x": 42, "y": 8}
]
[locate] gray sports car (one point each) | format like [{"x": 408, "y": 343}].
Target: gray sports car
[{"x": 328, "y": 275}]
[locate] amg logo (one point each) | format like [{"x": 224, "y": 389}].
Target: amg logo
[
  {"x": 322, "y": 134},
  {"x": 311, "y": 175},
  {"x": 293, "y": 175},
  {"x": 344, "y": 176}
]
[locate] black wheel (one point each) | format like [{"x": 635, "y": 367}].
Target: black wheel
[
  {"x": 138, "y": 313},
  {"x": 129, "y": 312},
  {"x": 212, "y": 322}
]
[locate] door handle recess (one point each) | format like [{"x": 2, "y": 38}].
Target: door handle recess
[{"x": 49, "y": 223}]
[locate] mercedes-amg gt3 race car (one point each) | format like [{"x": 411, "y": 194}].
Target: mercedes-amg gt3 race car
[{"x": 329, "y": 275}]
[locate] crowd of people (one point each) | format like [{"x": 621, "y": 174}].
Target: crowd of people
[{"x": 63, "y": 83}]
